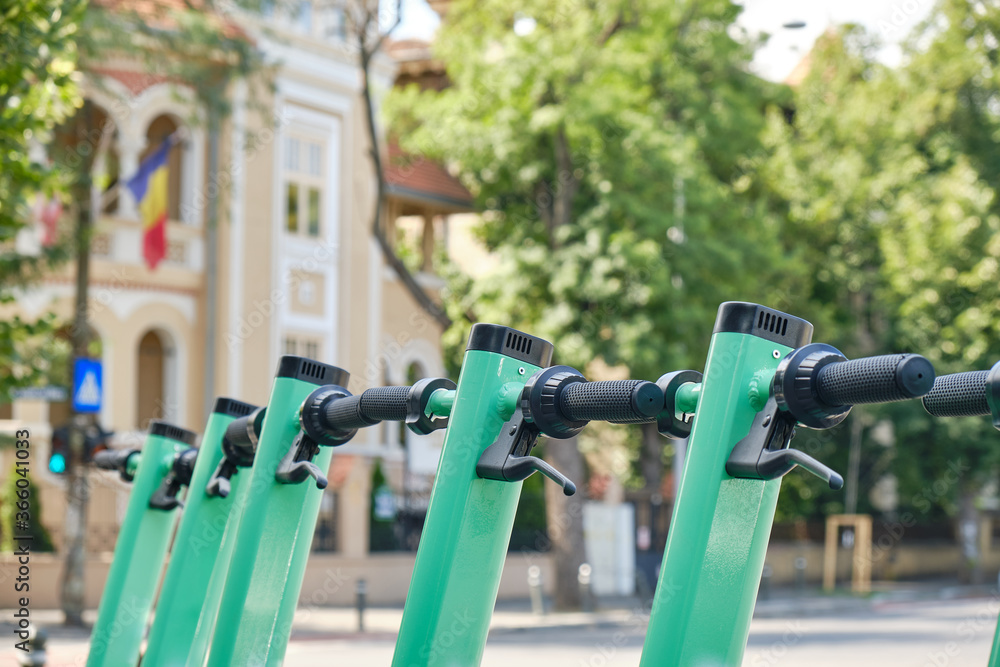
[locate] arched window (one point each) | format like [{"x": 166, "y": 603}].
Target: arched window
[
  {"x": 162, "y": 127},
  {"x": 155, "y": 379},
  {"x": 90, "y": 139}
]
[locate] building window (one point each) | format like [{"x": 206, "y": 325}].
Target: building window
[
  {"x": 304, "y": 18},
  {"x": 313, "y": 212},
  {"x": 303, "y": 187},
  {"x": 292, "y": 154},
  {"x": 303, "y": 346},
  {"x": 292, "y": 208}
]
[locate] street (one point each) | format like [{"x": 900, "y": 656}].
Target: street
[{"x": 816, "y": 631}]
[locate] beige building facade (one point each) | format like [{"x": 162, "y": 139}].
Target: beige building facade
[{"x": 295, "y": 267}]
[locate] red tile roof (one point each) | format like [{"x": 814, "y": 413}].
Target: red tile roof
[
  {"x": 415, "y": 177},
  {"x": 136, "y": 82},
  {"x": 408, "y": 49},
  {"x": 157, "y": 12}
]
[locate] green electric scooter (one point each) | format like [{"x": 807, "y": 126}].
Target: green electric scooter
[
  {"x": 497, "y": 415},
  {"x": 157, "y": 472},
  {"x": 503, "y": 402},
  {"x": 763, "y": 379},
  {"x": 212, "y": 508},
  {"x": 309, "y": 412}
]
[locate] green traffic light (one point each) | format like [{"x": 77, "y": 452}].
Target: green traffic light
[{"x": 57, "y": 463}]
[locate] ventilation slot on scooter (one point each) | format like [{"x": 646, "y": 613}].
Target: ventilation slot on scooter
[
  {"x": 313, "y": 370},
  {"x": 518, "y": 343},
  {"x": 772, "y": 323}
]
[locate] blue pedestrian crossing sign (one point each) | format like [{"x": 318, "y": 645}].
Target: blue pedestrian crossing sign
[{"x": 87, "y": 384}]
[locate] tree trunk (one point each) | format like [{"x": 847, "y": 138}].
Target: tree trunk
[
  {"x": 971, "y": 568},
  {"x": 77, "y": 491},
  {"x": 565, "y": 522},
  {"x": 651, "y": 458},
  {"x": 422, "y": 298}
]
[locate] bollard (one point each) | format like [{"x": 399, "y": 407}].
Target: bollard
[
  {"x": 535, "y": 590},
  {"x": 583, "y": 578},
  {"x": 800, "y": 573},
  {"x": 765, "y": 582},
  {"x": 35, "y": 654},
  {"x": 361, "y": 591}
]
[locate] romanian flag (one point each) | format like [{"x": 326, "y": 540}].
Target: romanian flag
[{"x": 149, "y": 187}]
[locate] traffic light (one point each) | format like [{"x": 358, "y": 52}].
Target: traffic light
[
  {"x": 59, "y": 452},
  {"x": 95, "y": 440}
]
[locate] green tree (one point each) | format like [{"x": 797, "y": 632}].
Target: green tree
[
  {"x": 836, "y": 161},
  {"x": 19, "y": 487},
  {"x": 614, "y": 149},
  {"x": 886, "y": 176},
  {"x": 38, "y": 90},
  {"x": 942, "y": 246}
]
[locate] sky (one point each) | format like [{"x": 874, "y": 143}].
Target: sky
[{"x": 891, "y": 19}]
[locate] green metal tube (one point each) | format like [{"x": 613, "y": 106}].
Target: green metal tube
[
  {"x": 718, "y": 535},
  {"x": 995, "y": 651},
  {"x": 469, "y": 520},
  {"x": 186, "y": 598},
  {"x": 441, "y": 402},
  {"x": 139, "y": 554},
  {"x": 275, "y": 531},
  {"x": 688, "y": 396},
  {"x": 132, "y": 465}
]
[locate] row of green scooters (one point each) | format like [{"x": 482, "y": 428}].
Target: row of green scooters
[{"x": 254, "y": 486}]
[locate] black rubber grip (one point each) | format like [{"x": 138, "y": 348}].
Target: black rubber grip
[
  {"x": 614, "y": 401},
  {"x": 112, "y": 459},
  {"x": 884, "y": 379},
  {"x": 959, "y": 395},
  {"x": 238, "y": 432},
  {"x": 367, "y": 408}
]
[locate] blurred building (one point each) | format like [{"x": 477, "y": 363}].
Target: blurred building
[{"x": 291, "y": 267}]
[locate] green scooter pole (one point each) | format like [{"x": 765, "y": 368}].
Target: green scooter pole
[
  {"x": 157, "y": 473},
  {"x": 469, "y": 520},
  {"x": 504, "y": 401},
  {"x": 214, "y": 499},
  {"x": 971, "y": 394},
  {"x": 326, "y": 417},
  {"x": 761, "y": 380},
  {"x": 275, "y": 530}
]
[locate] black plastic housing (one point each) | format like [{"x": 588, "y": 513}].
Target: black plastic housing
[
  {"x": 510, "y": 342},
  {"x": 232, "y": 407},
  {"x": 313, "y": 372},
  {"x": 165, "y": 430},
  {"x": 763, "y": 322}
]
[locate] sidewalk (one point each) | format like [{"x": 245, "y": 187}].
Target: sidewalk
[{"x": 515, "y": 622}]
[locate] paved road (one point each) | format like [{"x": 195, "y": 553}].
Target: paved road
[
  {"x": 928, "y": 633},
  {"x": 921, "y": 634}
]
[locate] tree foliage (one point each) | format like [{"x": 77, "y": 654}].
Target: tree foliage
[
  {"x": 633, "y": 175},
  {"x": 612, "y": 147},
  {"x": 38, "y": 90},
  {"x": 886, "y": 176}
]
